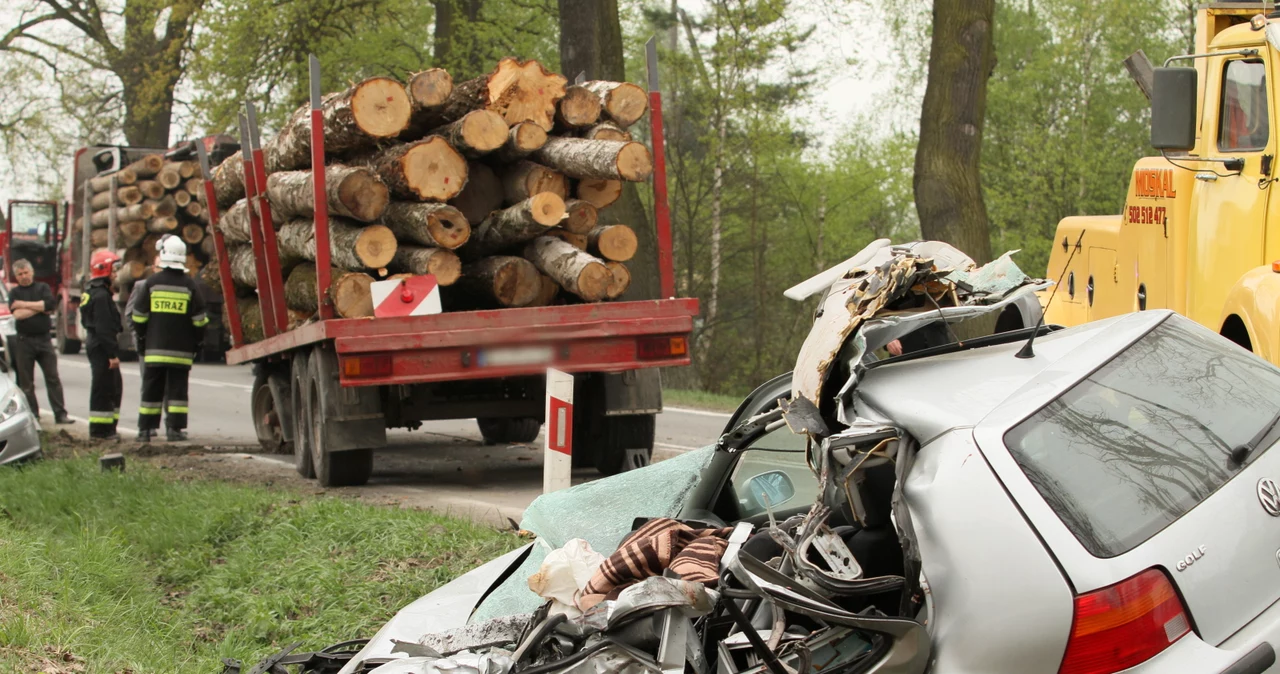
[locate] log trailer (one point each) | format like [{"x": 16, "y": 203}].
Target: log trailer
[{"x": 329, "y": 389}]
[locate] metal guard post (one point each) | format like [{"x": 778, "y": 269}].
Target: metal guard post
[
  {"x": 274, "y": 280},
  {"x": 255, "y": 230},
  {"x": 220, "y": 248},
  {"x": 318, "y": 194},
  {"x": 661, "y": 210}
]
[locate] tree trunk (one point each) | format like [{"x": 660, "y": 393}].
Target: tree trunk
[
  {"x": 579, "y": 108},
  {"x": 607, "y": 131},
  {"x": 482, "y": 194},
  {"x": 148, "y": 166},
  {"x": 125, "y": 196},
  {"x": 583, "y": 216},
  {"x": 162, "y": 224},
  {"x": 501, "y": 280},
  {"x": 522, "y": 140},
  {"x": 600, "y": 159},
  {"x": 234, "y": 223},
  {"x": 456, "y": 46},
  {"x": 348, "y": 290},
  {"x": 523, "y": 180},
  {"x": 420, "y": 261},
  {"x": 717, "y": 192},
  {"x": 140, "y": 211},
  {"x": 192, "y": 234},
  {"x": 516, "y": 225},
  {"x": 351, "y": 192},
  {"x": 621, "y": 280},
  {"x": 425, "y": 170},
  {"x": 578, "y": 241},
  {"x": 479, "y": 132},
  {"x": 103, "y": 183},
  {"x": 519, "y": 91},
  {"x": 228, "y": 180},
  {"x": 575, "y": 271},
  {"x": 948, "y": 187},
  {"x": 131, "y": 233},
  {"x": 353, "y": 121},
  {"x": 250, "y": 319},
  {"x": 163, "y": 207},
  {"x": 433, "y": 225},
  {"x": 622, "y": 102},
  {"x": 243, "y": 263},
  {"x": 599, "y": 193},
  {"x": 547, "y": 291},
  {"x": 612, "y": 242},
  {"x": 151, "y": 189},
  {"x": 351, "y": 246}
]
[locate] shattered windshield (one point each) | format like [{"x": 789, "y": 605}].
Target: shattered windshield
[{"x": 1124, "y": 453}]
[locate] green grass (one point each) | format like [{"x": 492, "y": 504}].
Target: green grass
[
  {"x": 703, "y": 400},
  {"x": 135, "y": 573}
]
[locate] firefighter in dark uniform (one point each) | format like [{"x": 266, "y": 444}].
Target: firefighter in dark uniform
[
  {"x": 168, "y": 320},
  {"x": 101, "y": 321}
]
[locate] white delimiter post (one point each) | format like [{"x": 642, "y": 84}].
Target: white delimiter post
[{"x": 557, "y": 458}]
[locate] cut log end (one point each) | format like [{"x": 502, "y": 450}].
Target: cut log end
[
  {"x": 375, "y": 246},
  {"x": 606, "y": 131},
  {"x": 613, "y": 242},
  {"x": 433, "y": 170},
  {"x": 363, "y": 194},
  {"x": 582, "y": 216},
  {"x": 483, "y": 131},
  {"x": 578, "y": 241},
  {"x": 527, "y": 137},
  {"x": 430, "y": 88},
  {"x": 547, "y": 208},
  {"x": 599, "y": 193},
  {"x": 623, "y": 102},
  {"x": 516, "y": 282},
  {"x": 621, "y": 279},
  {"x": 381, "y": 107},
  {"x": 449, "y": 228},
  {"x": 580, "y": 107},
  {"x": 446, "y": 266},
  {"x": 635, "y": 163},
  {"x": 525, "y": 92},
  {"x": 351, "y": 295}
]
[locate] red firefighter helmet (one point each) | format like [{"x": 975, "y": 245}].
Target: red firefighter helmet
[{"x": 102, "y": 264}]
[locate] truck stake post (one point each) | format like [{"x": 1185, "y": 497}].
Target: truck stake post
[
  {"x": 255, "y": 231},
  {"x": 224, "y": 264},
  {"x": 318, "y": 196},
  {"x": 274, "y": 281},
  {"x": 661, "y": 211}
]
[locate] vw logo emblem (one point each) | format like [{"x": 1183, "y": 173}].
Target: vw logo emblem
[{"x": 1269, "y": 495}]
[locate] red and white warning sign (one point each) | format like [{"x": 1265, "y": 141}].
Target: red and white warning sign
[
  {"x": 410, "y": 296},
  {"x": 557, "y": 457}
]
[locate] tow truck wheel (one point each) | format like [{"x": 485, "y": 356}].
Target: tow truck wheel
[
  {"x": 266, "y": 418},
  {"x": 301, "y": 416},
  {"x": 616, "y": 436},
  {"x": 347, "y": 468},
  {"x": 503, "y": 430}
]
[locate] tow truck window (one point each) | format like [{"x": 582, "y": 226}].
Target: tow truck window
[{"x": 1243, "y": 123}]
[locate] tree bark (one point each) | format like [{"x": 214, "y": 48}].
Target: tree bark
[
  {"x": 599, "y": 193},
  {"x": 103, "y": 183},
  {"x": 140, "y": 211},
  {"x": 243, "y": 264},
  {"x": 579, "y": 108},
  {"x": 131, "y": 233},
  {"x": 583, "y": 216},
  {"x": 148, "y": 166},
  {"x": 522, "y": 140},
  {"x": 479, "y": 132},
  {"x": 599, "y": 159},
  {"x": 351, "y": 192},
  {"x": 234, "y": 223},
  {"x": 606, "y": 131},
  {"x": 520, "y": 91},
  {"x": 482, "y": 194},
  {"x": 350, "y": 246},
  {"x": 575, "y": 271},
  {"x": 427, "y": 224},
  {"x": 622, "y": 102},
  {"x": 420, "y": 261},
  {"x": 151, "y": 189},
  {"x": 523, "y": 180},
  {"x": 947, "y": 182},
  {"x": 250, "y": 319},
  {"x": 457, "y": 46},
  {"x": 578, "y": 241},
  {"x": 612, "y": 242},
  {"x": 547, "y": 291},
  {"x": 228, "y": 180},
  {"x": 516, "y": 225},
  {"x": 353, "y": 121},
  {"x": 501, "y": 280},
  {"x": 425, "y": 170},
  {"x": 348, "y": 290},
  {"x": 621, "y": 280},
  {"x": 163, "y": 207}
]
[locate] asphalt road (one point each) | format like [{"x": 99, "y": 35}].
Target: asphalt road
[{"x": 444, "y": 465}]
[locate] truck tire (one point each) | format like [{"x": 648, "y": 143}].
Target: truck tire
[
  {"x": 503, "y": 430},
  {"x": 266, "y": 418},
  {"x": 301, "y": 415},
  {"x": 347, "y": 468},
  {"x": 615, "y": 436},
  {"x": 66, "y": 346}
]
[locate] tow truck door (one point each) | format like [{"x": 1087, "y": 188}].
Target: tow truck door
[{"x": 1228, "y": 223}]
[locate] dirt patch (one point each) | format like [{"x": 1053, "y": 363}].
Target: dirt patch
[{"x": 50, "y": 661}]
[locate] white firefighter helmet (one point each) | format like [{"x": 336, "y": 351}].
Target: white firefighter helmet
[{"x": 173, "y": 253}]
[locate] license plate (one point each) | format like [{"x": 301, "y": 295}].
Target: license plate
[{"x": 516, "y": 355}]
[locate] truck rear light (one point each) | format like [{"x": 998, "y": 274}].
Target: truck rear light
[
  {"x": 367, "y": 366},
  {"x": 653, "y": 348},
  {"x": 1124, "y": 624}
]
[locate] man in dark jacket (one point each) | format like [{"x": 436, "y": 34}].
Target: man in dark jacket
[
  {"x": 168, "y": 320},
  {"x": 31, "y": 302},
  {"x": 101, "y": 321}
]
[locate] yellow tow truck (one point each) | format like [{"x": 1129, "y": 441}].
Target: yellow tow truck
[{"x": 1200, "y": 231}]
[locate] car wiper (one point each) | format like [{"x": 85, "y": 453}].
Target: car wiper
[{"x": 1241, "y": 454}]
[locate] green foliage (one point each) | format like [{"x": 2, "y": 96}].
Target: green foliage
[{"x": 131, "y": 571}]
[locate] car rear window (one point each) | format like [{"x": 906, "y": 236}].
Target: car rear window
[{"x": 1144, "y": 439}]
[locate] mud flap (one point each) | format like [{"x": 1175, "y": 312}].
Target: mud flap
[
  {"x": 353, "y": 417},
  {"x": 633, "y": 392}
]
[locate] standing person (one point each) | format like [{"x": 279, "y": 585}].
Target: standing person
[
  {"x": 101, "y": 320},
  {"x": 168, "y": 320},
  {"x": 31, "y": 303}
]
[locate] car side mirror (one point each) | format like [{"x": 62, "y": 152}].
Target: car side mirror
[
  {"x": 1173, "y": 109},
  {"x": 770, "y": 489}
]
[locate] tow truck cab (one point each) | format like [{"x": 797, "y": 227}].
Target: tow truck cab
[{"x": 1194, "y": 235}]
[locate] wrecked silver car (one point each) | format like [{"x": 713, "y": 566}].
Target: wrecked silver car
[{"x": 1094, "y": 499}]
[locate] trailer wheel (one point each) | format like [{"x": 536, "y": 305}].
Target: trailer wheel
[
  {"x": 347, "y": 468},
  {"x": 618, "y": 434},
  {"x": 301, "y": 415},
  {"x": 503, "y": 430},
  {"x": 266, "y": 418}
]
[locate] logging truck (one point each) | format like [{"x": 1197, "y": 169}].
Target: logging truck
[{"x": 488, "y": 190}]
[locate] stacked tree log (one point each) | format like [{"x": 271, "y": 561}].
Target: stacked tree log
[
  {"x": 144, "y": 201},
  {"x": 494, "y": 185}
]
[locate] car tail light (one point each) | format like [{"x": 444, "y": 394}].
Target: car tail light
[
  {"x": 367, "y": 366},
  {"x": 652, "y": 348},
  {"x": 1124, "y": 624}
]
